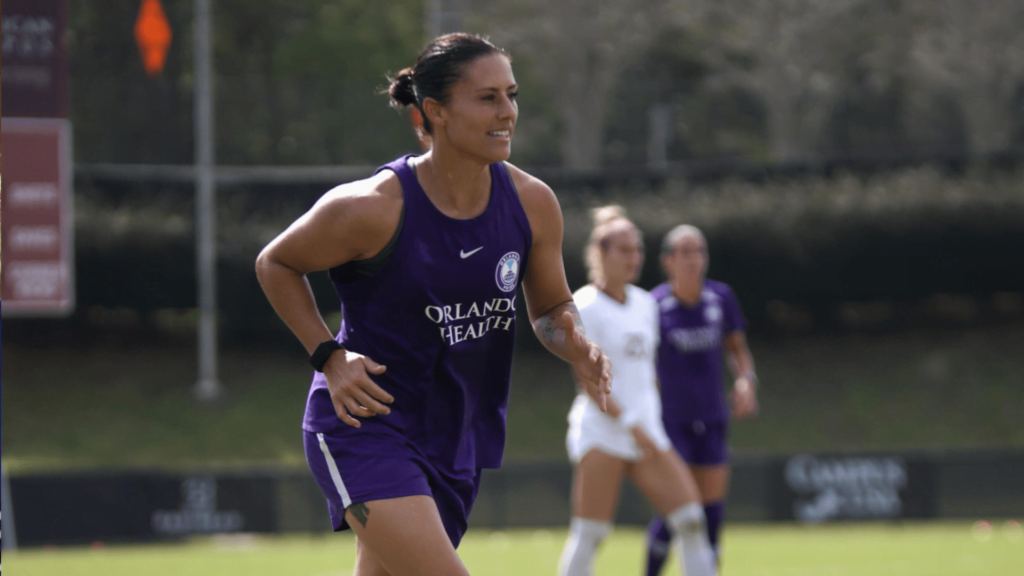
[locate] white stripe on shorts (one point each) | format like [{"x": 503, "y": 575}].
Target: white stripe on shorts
[{"x": 335, "y": 475}]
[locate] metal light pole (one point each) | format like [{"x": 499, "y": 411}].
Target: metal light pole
[
  {"x": 432, "y": 19},
  {"x": 659, "y": 135},
  {"x": 442, "y": 17},
  {"x": 208, "y": 386}
]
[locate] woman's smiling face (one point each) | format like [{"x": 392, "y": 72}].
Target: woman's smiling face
[{"x": 480, "y": 115}]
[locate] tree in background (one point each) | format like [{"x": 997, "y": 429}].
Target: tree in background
[
  {"x": 788, "y": 53},
  {"x": 872, "y": 108},
  {"x": 974, "y": 51},
  {"x": 670, "y": 73},
  {"x": 296, "y": 82},
  {"x": 580, "y": 48},
  {"x": 310, "y": 73}
]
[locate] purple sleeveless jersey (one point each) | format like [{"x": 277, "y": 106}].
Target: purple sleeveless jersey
[
  {"x": 690, "y": 362},
  {"x": 440, "y": 315}
]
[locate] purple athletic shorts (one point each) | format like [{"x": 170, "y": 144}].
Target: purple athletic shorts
[
  {"x": 700, "y": 443},
  {"x": 378, "y": 467}
]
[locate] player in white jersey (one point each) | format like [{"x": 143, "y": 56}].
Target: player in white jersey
[
  {"x": 630, "y": 329},
  {"x": 629, "y": 439}
]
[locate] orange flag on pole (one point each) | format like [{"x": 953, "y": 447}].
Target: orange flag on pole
[{"x": 153, "y": 35}]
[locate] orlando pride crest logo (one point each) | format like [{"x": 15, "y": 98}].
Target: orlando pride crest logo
[{"x": 507, "y": 272}]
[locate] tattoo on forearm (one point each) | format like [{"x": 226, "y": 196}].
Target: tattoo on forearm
[
  {"x": 361, "y": 512},
  {"x": 577, "y": 319},
  {"x": 551, "y": 334}
]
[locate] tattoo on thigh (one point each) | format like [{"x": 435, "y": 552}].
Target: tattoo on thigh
[{"x": 361, "y": 512}]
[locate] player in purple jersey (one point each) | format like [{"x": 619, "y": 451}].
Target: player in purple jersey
[
  {"x": 700, "y": 320},
  {"x": 408, "y": 401}
]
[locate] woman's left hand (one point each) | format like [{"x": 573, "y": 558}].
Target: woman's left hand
[{"x": 744, "y": 399}]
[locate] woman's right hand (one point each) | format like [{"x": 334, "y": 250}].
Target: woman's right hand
[{"x": 352, "y": 391}]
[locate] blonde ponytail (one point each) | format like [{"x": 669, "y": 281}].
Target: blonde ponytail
[{"x": 605, "y": 219}]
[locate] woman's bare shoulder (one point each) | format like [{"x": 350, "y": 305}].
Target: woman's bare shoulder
[
  {"x": 381, "y": 191},
  {"x": 363, "y": 214},
  {"x": 537, "y": 197},
  {"x": 529, "y": 185}
]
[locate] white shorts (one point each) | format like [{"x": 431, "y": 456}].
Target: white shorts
[{"x": 589, "y": 428}]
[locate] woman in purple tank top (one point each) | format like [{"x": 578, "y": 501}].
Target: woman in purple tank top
[
  {"x": 408, "y": 401},
  {"x": 700, "y": 322}
]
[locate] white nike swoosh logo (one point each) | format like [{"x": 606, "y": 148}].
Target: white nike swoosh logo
[{"x": 465, "y": 254}]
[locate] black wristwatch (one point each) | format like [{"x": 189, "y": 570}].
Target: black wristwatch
[{"x": 323, "y": 351}]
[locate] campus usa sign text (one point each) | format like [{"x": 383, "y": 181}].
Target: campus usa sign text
[{"x": 819, "y": 488}]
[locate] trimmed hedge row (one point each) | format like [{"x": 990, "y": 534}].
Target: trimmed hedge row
[{"x": 903, "y": 248}]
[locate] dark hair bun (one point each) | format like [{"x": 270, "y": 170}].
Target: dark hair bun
[{"x": 401, "y": 89}]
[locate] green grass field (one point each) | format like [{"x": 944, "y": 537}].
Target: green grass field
[
  {"x": 909, "y": 549},
  {"x": 130, "y": 406}
]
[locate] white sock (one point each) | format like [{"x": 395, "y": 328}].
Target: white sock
[
  {"x": 584, "y": 537},
  {"x": 687, "y": 525}
]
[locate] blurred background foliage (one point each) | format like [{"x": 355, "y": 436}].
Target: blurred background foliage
[
  {"x": 298, "y": 81},
  {"x": 857, "y": 167}
]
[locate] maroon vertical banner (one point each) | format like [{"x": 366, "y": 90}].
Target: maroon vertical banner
[
  {"x": 35, "y": 59},
  {"x": 37, "y": 274}
]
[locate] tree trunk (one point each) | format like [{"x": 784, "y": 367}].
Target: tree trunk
[
  {"x": 989, "y": 119},
  {"x": 582, "y": 102}
]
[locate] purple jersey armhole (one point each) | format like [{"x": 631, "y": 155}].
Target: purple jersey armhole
[
  {"x": 734, "y": 314},
  {"x": 518, "y": 211}
]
